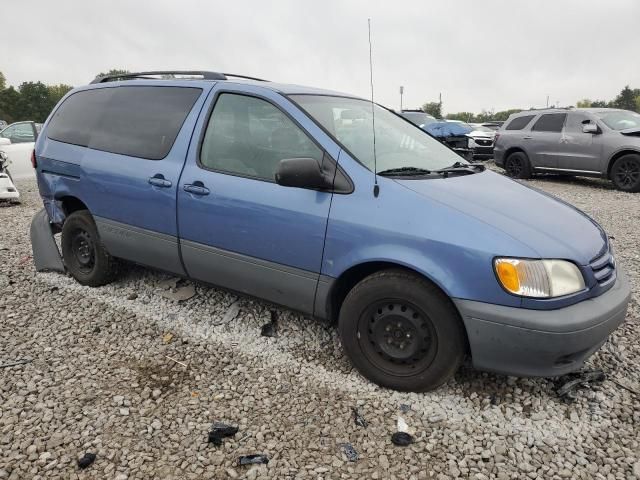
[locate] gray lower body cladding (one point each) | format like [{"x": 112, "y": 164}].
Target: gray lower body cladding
[
  {"x": 46, "y": 255},
  {"x": 517, "y": 341}
]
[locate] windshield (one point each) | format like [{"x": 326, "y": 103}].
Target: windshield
[
  {"x": 398, "y": 143},
  {"x": 619, "y": 119},
  {"x": 481, "y": 128},
  {"x": 418, "y": 118}
]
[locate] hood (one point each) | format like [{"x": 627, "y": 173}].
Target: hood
[
  {"x": 631, "y": 132},
  {"x": 481, "y": 134},
  {"x": 550, "y": 227}
]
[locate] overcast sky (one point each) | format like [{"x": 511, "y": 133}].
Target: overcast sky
[{"x": 480, "y": 54}]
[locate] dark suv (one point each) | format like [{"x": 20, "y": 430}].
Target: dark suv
[{"x": 591, "y": 142}]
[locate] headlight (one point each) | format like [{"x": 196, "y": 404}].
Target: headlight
[{"x": 538, "y": 278}]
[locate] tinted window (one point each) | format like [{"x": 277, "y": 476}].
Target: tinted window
[
  {"x": 519, "y": 123},
  {"x": 139, "y": 121},
  {"x": 550, "y": 122},
  {"x": 249, "y": 136}
]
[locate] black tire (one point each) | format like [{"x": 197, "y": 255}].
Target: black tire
[
  {"x": 401, "y": 332},
  {"x": 625, "y": 173},
  {"x": 517, "y": 165},
  {"x": 85, "y": 257}
]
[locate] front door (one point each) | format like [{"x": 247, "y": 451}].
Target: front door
[
  {"x": 580, "y": 152},
  {"x": 238, "y": 228}
]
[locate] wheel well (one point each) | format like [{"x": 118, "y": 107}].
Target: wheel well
[
  {"x": 616, "y": 157},
  {"x": 513, "y": 150},
  {"x": 345, "y": 282},
  {"x": 72, "y": 204}
]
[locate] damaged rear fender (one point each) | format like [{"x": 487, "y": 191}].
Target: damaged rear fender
[{"x": 46, "y": 255}]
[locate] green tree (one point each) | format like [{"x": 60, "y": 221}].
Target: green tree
[
  {"x": 9, "y": 104},
  {"x": 113, "y": 71},
  {"x": 3, "y": 81},
  {"x": 34, "y": 102},
  {"x": 599, "y": 104},
  {"x": 584, "y": 103},
  {"x": 638, "y": 104},
  {"x": 463, "y": 116},
  {"x": 626, "y": 99},
  {"x": 433, "y": 108}
]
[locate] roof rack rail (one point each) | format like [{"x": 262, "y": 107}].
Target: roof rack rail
[{"x": 149, "y": 75}]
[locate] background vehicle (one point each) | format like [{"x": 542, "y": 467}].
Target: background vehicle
[
  {"x": 8, "y": 190},
  {"x": 591, "y": 142},
  {"x": 481, "y": 140},
  {"x": 418, "y": 117},
  {"x": 3, "y": 124},
  {"x": 267, "y": 189},
  {"x": 17, "y": 142},
  {"x": 472, "y": 141},
  {"x": 493, "y": 125}
]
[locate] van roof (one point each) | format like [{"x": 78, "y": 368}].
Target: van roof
[{"x": 182, "y": 78}]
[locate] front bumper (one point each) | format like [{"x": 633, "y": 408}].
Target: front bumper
[{"x": 547, "y": 343}]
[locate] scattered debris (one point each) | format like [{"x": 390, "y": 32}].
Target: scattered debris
[
  {"x": 96, "y": 329},
  {"x": 179, "y": 294},
  {"x": 574, "y": 381},
  {"x": 401, "y": 439},
  {"x": 171, "y": 282},
  {"x": 255, "y": 459},
  {"x": 402, "y": 425},
  {"x": 626, "y": 387},
  {"x": 167, "y": 337},
  {"x": 220, "y": 431},
  {"x": 86, "y": 460},
  {"x": 404, "y": 408},
  {"x": 24, "y": 260},
  {"x": 358, "y": 418},
  {"x": 21, "y": 361},
  {"x": 177, "y": 361},
  {"x": 132, "y": 296},
  {"x": 269, "y": 329},
  {"x": 349, "y": 452},
  {"x": 230, "y": 314}
]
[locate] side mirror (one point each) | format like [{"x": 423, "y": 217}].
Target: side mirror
[
  {"x": 301, "y": 173},
  {"x": 590, "y": 128},
  {"x": 5, "y": 141}
]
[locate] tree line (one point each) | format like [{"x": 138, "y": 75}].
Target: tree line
[
  {"x": 33, "y": 100},
  {"x": 627, "y": 99}
]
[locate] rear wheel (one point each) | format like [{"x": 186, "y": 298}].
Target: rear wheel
[
  {"x": 401, "y": 332},
  {"x": 86, "y": 259},
  {"x": 517, "y": 165},
  {"x": 625, "y": 173}
]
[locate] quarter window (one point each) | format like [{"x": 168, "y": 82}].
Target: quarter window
[
  {"x": 519, "y": 123},
  {"x": 138, "y": 121},
  {"x": 550, "y": 122},
  {"x": 248, "y": 136}
]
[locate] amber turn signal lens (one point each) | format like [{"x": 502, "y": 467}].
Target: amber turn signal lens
[{"x": 508, "y": 275}]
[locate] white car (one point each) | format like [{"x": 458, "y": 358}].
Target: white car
[{"x": 17, "y": 142}]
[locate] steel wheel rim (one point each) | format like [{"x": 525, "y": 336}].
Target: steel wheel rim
[
  {"x": 83, "y": 250},
  {"x": 397, "y": 337},
  {"x": 628, "y": 173}
]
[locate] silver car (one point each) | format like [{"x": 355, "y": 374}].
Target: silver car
[{"x": 590, "y": 142}]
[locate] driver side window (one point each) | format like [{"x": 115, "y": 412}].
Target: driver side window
[{"x": 248, "y": 136}]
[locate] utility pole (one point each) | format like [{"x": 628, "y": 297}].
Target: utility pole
[
  {"x": 547, "y": 101},
  {"x": 440, "y": 102},
  {"x": 401, "y": 92}
]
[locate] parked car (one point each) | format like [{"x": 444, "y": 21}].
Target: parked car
[
  {"x": 590, "y": 142},
  {"x": 418, "y": 117},
  {"x": 17, "y": 142},
  {"x": 481, "y": 140},
  {"x": 8, "y": 191},
  {"x": 493, "y": 125},
  {"x": 3, "y": 124},
  {"x": 276, "y": 191}
]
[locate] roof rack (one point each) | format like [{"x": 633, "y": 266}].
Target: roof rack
[{"x": 151, "y": 74}]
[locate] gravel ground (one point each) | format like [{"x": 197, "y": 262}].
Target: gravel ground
[{"x": 137, "y": 379}]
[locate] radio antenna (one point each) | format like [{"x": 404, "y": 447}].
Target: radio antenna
[{"x": 376, "y": 187}]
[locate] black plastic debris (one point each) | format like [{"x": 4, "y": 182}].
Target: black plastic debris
[
  {"x": 569, "y": 384},
  {"x": 401, "y": 439},
  {"x": 349, "y": 452},
  {"x": 255, "y": 459},
  {"x": 87, "y": 460},
  {"x": 270, "y": 329},
  {"x": 404, "y": 408},
  {"x": 14, "y": 363},
  {"x": 358, "y": 418},
  {"x": 220, "y": 431}
]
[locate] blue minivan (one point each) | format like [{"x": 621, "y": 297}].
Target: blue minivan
[{"x": 329, "y": 205}]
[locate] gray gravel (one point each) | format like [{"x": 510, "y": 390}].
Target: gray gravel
[{"x": 138, "y": 379}]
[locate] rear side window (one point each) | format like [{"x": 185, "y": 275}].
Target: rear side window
[
  {"x": 139, "y": 121},
  {"x": 550, "y": 122},
  {"x": 519, "y": 123},
  {"x": 248, "y": 136}
]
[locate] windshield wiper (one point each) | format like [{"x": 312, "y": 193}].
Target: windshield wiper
[
  {"x": 404, "y": 172},
  {"x": 459, "y": 167}
]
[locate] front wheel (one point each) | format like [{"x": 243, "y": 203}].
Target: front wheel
[
  {"x": 86, "y": 259},
  {"x": 401, "y": 332},
  {"x": 625, "y": 173}
]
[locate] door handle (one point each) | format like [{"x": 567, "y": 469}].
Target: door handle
[
  {"x": 527, "y": 138},
  {"x": 197, "y": 188},
  {"x": 158, "y": 180}
]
